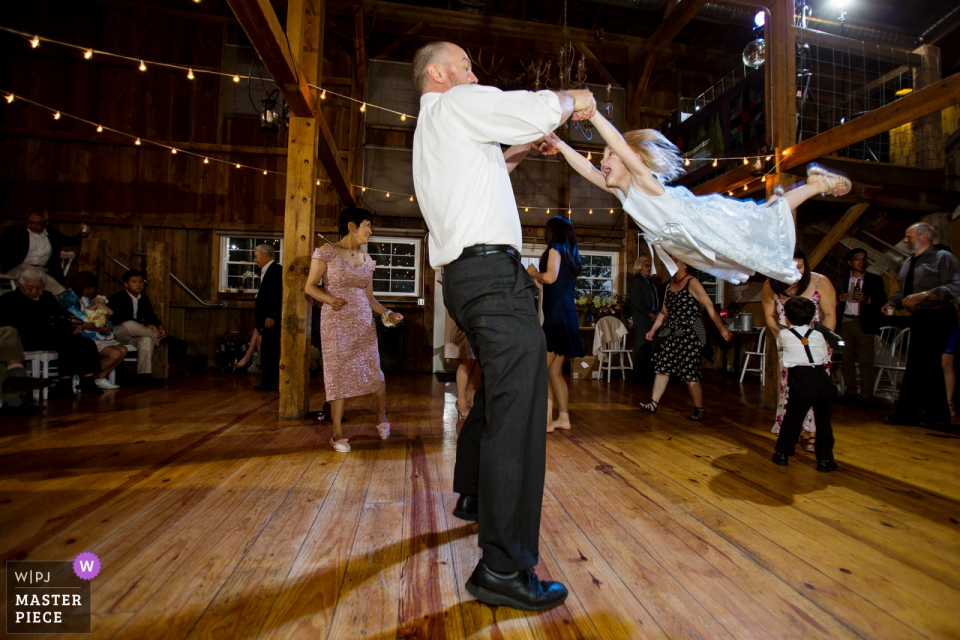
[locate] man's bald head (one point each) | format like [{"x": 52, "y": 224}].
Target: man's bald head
[{"x": 439, "y": 66}]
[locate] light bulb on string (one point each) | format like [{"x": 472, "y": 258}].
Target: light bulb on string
[
  {"x": 388, "y": 194},
  {"x": 173, "y": 151},
  {"x": 403, "y": 117},
  {"x": 714, "y": 163},
  {"x": 768, "y": 158},
  {"x": 137, "y": 142},
  {"x": 238, "y": 165},
  {"x": 206, "y": 161},
  {"x": 569, "y": 212},
  {"x": 686, "y": 162},
  {"x": 763, "y": 179},
  {"x": 526, "y": 209},
  {"x": 35, "y": 42},
  {"x": 589, "y": 155},
  {"x": 56, "y": 116},
  {"x": 745, "y": 161},
  {"x": 264, "y": 172},
  {"x": 363, "y": 107},
  {"x": 236, "y": 78},
  {"x": 9, "y": 98},
  {"x": 88, "y": 54},
  {"x": 611, "y": 211},
  {"x": 590, "y": 212},
  {"x": 190, "y": 74},
  {"x": 744, "y": 187},
  {"x": 323, "y": 94},
  {"x": 548, "y": 211},
  {"x": 99, "y": 128},
  {"x": 730, "y": 193},
  {"x": 142, "y": 66},
  {"x": 318, "y": 182},
  {"x": 411, "y": 198}
]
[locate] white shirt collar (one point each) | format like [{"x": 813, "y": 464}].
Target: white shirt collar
[{"x": 129, "y": 293}]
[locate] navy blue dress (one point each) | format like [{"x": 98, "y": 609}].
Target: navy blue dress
[{"x": 560, "y": 323}]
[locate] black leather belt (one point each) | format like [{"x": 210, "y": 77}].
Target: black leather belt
[{"x": 481, "y": 250}]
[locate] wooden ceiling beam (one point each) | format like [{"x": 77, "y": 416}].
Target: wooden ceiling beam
[
  {"x": 262, "y": 27},
  {"x": 585, "y": 50},
  {"x": 835, "y": 234},
  {"x": 674, "y": 22},
  {"x": 399, "y": 42},
  {"x": 923, "y": 102}
]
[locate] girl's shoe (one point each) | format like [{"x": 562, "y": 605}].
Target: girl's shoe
[
  {"x": 384, "y": 430},
  {"x": 103, "y": 383},
  {"x": 340, "y": 446},
  {"x": 837, "y": 184}
]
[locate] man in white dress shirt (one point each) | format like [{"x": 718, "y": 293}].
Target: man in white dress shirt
[
  {"x": 463, "y": 185},
  {"x": 36, "y": 245}
]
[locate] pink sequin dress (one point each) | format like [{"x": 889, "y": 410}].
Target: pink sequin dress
[{"x": 351, "y": 362}]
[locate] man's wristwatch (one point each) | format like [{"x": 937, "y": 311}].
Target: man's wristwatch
[{"x": 926, "y": 294}]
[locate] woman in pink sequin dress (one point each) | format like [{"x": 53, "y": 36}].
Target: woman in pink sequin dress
[{"x": 351, "y": 363}]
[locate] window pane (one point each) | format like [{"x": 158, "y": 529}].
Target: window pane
[
  {"x": 378, "y": 247},
  {"x": 381, "y": 273},
  {"x": 403, "y": 260},
  {"x": 404, "y": 274},
  {"x": 606, "y": 261},
  {"x": 381, "y": 285},
  {"x": 606, "y": 286},
  {"x": 401, "y": 287},
  {"x": 603, "y": 272},
  {"x": 404, "y": 249}
]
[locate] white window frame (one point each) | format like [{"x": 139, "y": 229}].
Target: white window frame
[
  {"x": 225, "y": 237},
  {"x": 418, "y": 271},
  {"x": 614, "y": 270}
]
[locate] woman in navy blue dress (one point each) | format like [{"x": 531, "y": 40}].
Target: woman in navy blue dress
[{"x": 559, "y": 268}]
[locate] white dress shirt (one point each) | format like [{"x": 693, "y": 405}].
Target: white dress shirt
[
  {"x": 263, "y": 274},
  {"x": 136, "y": 303},
  {"x": 792, "y": 353},
  {"x": 853, "y": 308},
  {"x": 459, "y": 173},
  {"x": 39, "y": 252}
]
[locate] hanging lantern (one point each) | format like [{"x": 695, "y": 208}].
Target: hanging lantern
[{"x": 269, "y": 116}]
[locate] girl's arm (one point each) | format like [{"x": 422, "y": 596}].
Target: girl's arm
[
  {"x": 770, "y": 310},
  {"x": 620, "y": 147},
  {"x": 553, "y": 269},
  {"x": 317, "y": 269},
  {"x": 698, "y": 292},
  {"x": 379, "y": 309},
  {"x": 582, "y": 166}
]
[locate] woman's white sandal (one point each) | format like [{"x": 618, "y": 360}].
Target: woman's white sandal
[{"x": 837, "y": 183}]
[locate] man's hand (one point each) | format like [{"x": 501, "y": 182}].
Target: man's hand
[
  {"x": 268, "y": 323},
  {"x": 549, "y": 145},
  {"x": 914, "y": 300},
  {"x": 889, "y": 305},
  {"x": 104, "y": 329},
  {"x": 533, "y": 271},
  {"x": 84, "y": 229},
  {"x": 161, "y": 332},
  {"x": 583, "y": 101},
  {"x": 77, "y": 325},
  {"x": 842, "y": 297}
]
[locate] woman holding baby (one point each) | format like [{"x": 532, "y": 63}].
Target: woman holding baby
[{"x": 82, "y": 299}]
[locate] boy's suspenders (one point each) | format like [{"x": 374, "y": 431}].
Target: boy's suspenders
[{"x": 803, "y": 340}]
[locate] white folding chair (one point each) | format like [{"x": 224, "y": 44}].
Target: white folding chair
[
  {"x": 615, "y": 348},
  {"x": 7, "y": 284},
  {"x": 761, "y": 353},
  {"x": 891, "y": 361},
  {"x": 38, "y": 364},
  {"x": 66, "y": 260}
]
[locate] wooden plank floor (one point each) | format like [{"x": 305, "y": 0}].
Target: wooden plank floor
[{"x": 214, "y": 520}]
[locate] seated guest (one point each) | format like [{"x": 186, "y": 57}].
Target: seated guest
[
  {"x": 13, "y": 377},
  {"x": 269, "y": 302},
  {"x": 46, "y": 326},
  {"x": 83, "y": 301},
  {"x": 860, "y": 297},
  {"x": 136, "y": 323},
  {"x": 37, "y": 245}
]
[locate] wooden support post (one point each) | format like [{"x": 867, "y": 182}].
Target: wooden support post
[
  {"x": 836, "y": 232},
  {"x": 89, "y": 258},
  {"x": 158, "y": 288},
  {"x": 304, "y": 28},
  {"x": 928, "y": 130}
]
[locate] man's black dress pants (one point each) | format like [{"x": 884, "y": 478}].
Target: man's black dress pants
[
  {"x": 923, "y": 384},
  {"x": 501, "y": 450}
]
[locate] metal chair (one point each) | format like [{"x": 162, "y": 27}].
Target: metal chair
[
  {"x": 893, "y": 345},
  {"x": 761, "y": 353},
  {"x": 617, "y": 347}
]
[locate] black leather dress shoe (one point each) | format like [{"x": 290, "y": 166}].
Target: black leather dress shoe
[
  {"x": 466, "y": 508},
  {"x": 781, "y": 459},
  {"x": 265, "y": 387},
  {"x": 826, "y": 466},
  {"x": 23, "y": 410},
  {"x": 520, "y": 589}
]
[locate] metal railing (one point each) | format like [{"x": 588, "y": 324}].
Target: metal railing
[{"x": 189, "y": 291}]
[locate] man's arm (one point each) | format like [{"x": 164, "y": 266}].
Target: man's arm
[
  {"x": 515, "y": 155},
  {"x": 949, "y": 271}
]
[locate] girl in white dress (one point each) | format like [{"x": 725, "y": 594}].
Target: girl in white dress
[{"x": 725, "y": 237}]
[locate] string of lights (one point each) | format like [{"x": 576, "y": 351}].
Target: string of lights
[
  {"x": 141, "y": 141},
  {"x": 144, "y": 64}
]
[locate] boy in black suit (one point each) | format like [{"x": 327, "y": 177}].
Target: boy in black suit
[
  {"x": 136, "y": 323},
  {"x": 269, "y": 303}
]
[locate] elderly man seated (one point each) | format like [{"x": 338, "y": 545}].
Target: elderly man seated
[
  {"x": 46, "y": 326},
  {"x": 36, "y": 245},
  {"x": 13, "y": 377}
]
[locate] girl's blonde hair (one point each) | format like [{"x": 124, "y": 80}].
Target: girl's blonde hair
[{"x": 658, "y": 153}]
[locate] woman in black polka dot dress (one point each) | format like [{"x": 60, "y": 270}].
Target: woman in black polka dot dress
[{"x": 680, "y": 346}]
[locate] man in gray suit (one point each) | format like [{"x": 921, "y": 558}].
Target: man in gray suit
[{"x": 645, "y": 305}]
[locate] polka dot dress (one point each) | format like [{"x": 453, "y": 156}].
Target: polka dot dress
[{"x": 680, "y": 348}]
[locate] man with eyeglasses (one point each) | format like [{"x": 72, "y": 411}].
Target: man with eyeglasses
[{"x": 860, "y": 296}]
